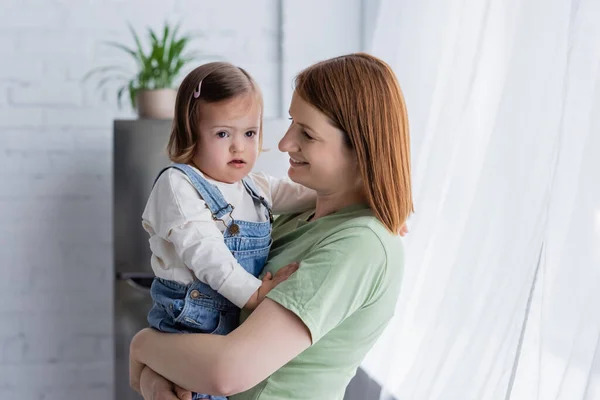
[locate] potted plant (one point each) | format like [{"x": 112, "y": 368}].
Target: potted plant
[{"x": 152, "y": 89}]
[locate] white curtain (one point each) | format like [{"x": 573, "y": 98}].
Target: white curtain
[{"x": 501, "y": 295}]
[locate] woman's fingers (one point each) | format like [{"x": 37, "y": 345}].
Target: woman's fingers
[
  {"x": 135, "y": 372},
  {"x": 183, "y": 394},
  {"x": 155, "y": 387}
]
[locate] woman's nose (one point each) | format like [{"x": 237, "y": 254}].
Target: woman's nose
[{"x": 287, "y": 143}]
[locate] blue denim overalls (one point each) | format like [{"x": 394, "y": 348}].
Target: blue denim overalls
[{"x": 197, "y": 308}]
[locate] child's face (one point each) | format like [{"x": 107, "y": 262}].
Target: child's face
[{"x": 228, "y": 139}]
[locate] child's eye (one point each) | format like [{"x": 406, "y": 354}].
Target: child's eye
[
  {"x": 307, "y": 135},
  {"x": 250, "y": 134},
  {"x": 222, "y": 134}
]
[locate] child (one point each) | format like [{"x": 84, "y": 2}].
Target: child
[{"x": 208, "y": 217}]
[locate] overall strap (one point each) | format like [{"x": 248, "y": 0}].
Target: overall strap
[
  {"x": 256, "y": 195},
  {"x": 211, "y": 194}
]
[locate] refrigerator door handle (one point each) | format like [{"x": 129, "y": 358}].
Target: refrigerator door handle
[{"x": 140, "y": 281}]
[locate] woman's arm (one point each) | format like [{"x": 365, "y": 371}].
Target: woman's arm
[{"x": 225, "y": 365}]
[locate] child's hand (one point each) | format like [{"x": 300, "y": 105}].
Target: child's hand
[{"x": 268, "y": 283}]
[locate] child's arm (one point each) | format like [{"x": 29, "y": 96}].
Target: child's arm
[
  {"x": 286, "y": 196},
  {"x": 200, "y": 245},
  {"x": 178, "y": 215}
]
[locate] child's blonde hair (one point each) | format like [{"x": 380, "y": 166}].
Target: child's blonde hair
[{"x": 213, "y": 82}]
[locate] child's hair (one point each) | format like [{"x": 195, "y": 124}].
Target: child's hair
[
  {"x": 217, "y": 81},
  {"x": 361, "y": 96}
]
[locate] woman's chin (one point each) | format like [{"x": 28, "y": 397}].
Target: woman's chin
[
  {"x": 299, "y": 178},
  {"x": 294, "y": 176}
]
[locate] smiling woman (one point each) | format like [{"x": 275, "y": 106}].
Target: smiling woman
[
  {"x": 311, "y": 332},
  {"x": 320, "y": 157}
]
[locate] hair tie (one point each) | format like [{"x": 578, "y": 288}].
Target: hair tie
[{"x": 197, "y": 91}]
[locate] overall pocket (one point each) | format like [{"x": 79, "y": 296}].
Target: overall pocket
[{"x": 196, "y": 313}]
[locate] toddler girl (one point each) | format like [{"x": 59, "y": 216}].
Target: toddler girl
[{"x": 209, "y": 218}]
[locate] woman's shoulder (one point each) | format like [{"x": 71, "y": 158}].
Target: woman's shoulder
[
  {"x": 364, "y": 233},
  {"x": 368, "y": 225},
  {"x": 352, "y": 230},
  {"x": 370, "y": 243}
]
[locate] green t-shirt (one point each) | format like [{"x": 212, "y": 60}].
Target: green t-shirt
[{"x": 345, "y": 292}]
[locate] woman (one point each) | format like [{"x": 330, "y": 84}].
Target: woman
[{"x": 349, "y": 141}]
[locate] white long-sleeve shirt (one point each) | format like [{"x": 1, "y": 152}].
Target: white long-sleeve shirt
[{"x": 185, "y": 241}]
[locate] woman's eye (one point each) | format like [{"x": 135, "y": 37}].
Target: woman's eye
[
  {"x": 222, "y": 134},
  {"x": 306, "y": 135},
  {"x": 250, "y": 134}
]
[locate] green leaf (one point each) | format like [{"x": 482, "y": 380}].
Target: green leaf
[
  {"x": 100, "y": 70},
  {"x": 125, "y": 49},
  {"x": 120, "y": 94},
  {"x": 140, "y": 50},
  {"x": 165, "y": 37},
  {"x": 157, "y": 68},
  {"x": 153, "y": 38},
  {"x": 109, "y": 78},
  {"x": 132, "y": 94}
]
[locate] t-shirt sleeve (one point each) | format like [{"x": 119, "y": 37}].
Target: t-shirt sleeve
[{"x": 337, "y": 278}]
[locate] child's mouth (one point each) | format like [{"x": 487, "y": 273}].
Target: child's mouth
[{"x": 237, "y": 163}]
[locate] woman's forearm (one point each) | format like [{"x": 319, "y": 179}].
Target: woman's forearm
[
  {"x": 225, "y": 365},
  {"x": 183, "y": 359}
]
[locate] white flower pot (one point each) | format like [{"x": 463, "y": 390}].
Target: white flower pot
[{"x": 156, "y": 104}]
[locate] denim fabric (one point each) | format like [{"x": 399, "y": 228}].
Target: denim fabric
[{"x": 197, "y": 308}]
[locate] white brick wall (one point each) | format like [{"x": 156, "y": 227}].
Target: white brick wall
[{"x": 55, "y": 165}]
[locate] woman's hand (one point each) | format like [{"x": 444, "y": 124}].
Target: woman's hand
[
  {"x": 135, "y": 373},
  {"x": 150, "y": 384},
  {"x": 404, "y": 230},
  {"x": 155, "y": 387},
  {"x": 183, "y": 394}
]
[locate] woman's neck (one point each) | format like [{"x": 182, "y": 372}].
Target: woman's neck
[{"x": 332, "y": 202}]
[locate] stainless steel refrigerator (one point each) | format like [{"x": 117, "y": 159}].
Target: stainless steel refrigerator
[{"x": 139, "y": 152}]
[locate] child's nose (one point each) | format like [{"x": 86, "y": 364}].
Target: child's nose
[{"x": 237, "y": 146}]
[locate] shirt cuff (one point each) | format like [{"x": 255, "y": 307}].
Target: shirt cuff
[{"x": 239, "y": 286}]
